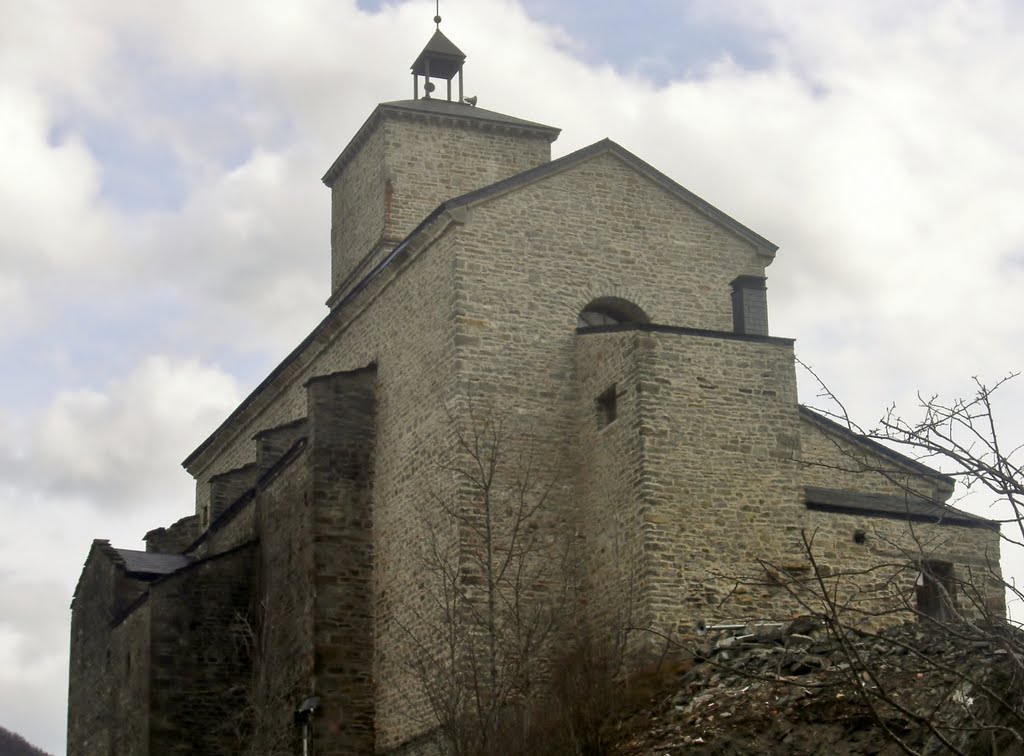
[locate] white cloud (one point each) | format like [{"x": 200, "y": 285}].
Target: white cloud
[
  {"x": 256, "y": 251},
  {"x": 57, "y": 45},
  {"x": 120, "y": 446},
  {"x": 43, "y": 181}
]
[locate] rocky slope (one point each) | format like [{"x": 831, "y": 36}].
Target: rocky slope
[{"x": 801, "y": 689}]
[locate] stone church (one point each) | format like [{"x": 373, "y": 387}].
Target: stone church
[{"x": 565, "y": 362}]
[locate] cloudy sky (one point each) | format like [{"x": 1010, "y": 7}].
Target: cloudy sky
[{"x": 164, "y": 236}]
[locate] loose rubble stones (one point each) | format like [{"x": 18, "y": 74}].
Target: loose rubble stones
[{"x": 803, "y": 688}]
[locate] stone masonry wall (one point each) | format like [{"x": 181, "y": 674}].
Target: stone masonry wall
[
  {"x": 89, "y": 697},
  {"x": 407, "y": 330},
  {"x": 277, "y": 448},
  {"x": 227, "y": 487},
  {"x": 103, "y": 595},
  {"x": 719, "y": 427},
  {"x": 698, "y": 470},
  {"x": 199, "y": 659},
  {"x": 283, "y": 615},
  {"x": 176, "y": 538},
  {"x": 875, "y": 579},
  {"x": 359, "y": 208},
  {"x": 342, "y": 427},
  {"x": 485, "y": 313},
  {"x": 230, "y": 531},
  {"x": 610, "y": 472},
  {"x": 530, "y": 261},
  {"x": 130, "y": 664},
  {"x": 406, "y": 168},
  {"x": 430, "y": 162},
  {"x": 272, "y": 444},
  {"x": 830, "y": 461}
]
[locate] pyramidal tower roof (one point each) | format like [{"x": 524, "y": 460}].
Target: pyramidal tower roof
[{"x": 440, "y": 58}]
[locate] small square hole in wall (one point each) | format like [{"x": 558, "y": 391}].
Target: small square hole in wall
[{"x": 605, "y": 405}]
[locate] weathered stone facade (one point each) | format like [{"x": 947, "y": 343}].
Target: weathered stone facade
[{"x": 462, "y": 261}]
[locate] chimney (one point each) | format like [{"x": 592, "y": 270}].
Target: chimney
[{"x": 750, "y": 306}]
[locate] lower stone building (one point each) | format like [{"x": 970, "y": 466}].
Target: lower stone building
[{"x": 544, "y": 403}]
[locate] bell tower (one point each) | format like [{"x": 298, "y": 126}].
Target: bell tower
[{"x": 412, "y": 155}]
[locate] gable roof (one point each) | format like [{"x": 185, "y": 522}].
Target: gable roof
[
  {"x": 150, "y": 563},
  {"x": 838, "y": 429},
  {"x": 607, "y": 146},
  {"x": 142, "y": 565},
  {"x": 906, "y": 507}
]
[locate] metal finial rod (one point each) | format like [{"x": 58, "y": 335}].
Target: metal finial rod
[{"x": 437, "y": 13}]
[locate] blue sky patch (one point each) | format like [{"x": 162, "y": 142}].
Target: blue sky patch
[
  {"x": 155, "y": 113},
  {"x": 137, "y": 174},
  {"x": 659, "y": 39}
]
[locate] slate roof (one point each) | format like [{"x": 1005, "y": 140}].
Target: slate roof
[
  {"x": 445, "y": 55},
  {"x": 905, "y": 507},
  {"x": 151, "y": 563}
]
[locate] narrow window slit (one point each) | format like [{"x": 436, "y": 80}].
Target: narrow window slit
[{"x": 607, "y": 406}]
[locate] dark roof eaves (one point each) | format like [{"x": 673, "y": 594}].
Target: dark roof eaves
[
  {"x": 144, "y": 564},
  {"x": 909, "y": 506},
  {"x": 685, "y": 331},
  {"x": 903, "y": 459},
  {"x": 886, "y": 514}
]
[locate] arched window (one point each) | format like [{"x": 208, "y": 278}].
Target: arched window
[{"x": 605, "y": 311}]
